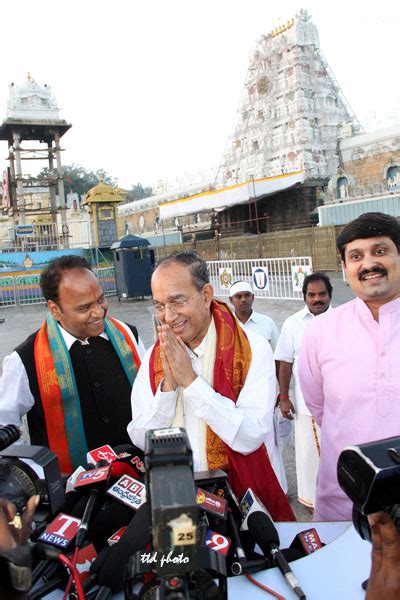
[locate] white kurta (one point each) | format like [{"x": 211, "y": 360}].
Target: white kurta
[
  {"x": 264, "y": 326},
  {"x": 306, "y": 430},
  {"x": 243, "y": 426}
]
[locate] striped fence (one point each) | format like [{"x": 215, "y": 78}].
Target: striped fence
[
  {"x": 22, "y": 290},
  {"x": 272, "y": 278}
]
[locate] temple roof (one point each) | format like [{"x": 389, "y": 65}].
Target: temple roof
[
  {"x": 32, "y": 110},
  {"x": 104, "y": 193},
  {"x": 31, "y": 101}
]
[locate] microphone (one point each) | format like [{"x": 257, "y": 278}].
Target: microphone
[
  {"x": 123, "y": 466},
  {"x": 110, "y": 514},
  {"x": 249, "y": 504},
  {"x": 94, "y": 481},
  {"x": 211, "y": 503},
  {"x": 61, "y": 531},
  {"x": 266, "y": 536},
  {"x": 129, "y": 491},
  {"x": 307, "y": 541},
  {"x": 105, "y": 453},
  {"x": 116, "y": 536},
  {"x": 56, "y": 539},
  {"x": 218, "y": 542},
  {"x": 110, "y": 518},
  {"x": 125, "y": 459},
  {"x": 71, "y": 481}
]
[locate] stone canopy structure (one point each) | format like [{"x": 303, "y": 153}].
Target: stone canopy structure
[
  {"x": 31, "y": 101},
  {"x": 102, "y": 200},
  {"x": 32, "y": 115}
]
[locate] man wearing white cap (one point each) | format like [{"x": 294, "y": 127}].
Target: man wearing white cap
[{"x": 242, "y": 297}]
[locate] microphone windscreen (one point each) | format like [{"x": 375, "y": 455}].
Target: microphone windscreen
[
  {"x": 70, "y": 502},
  {"x": 108, "y": 520},
  {"x": 263, "y": 531},
  {"x": 129, "y": 449},
  {"x": 119, "y": 468},
  {"x": 111, "y": 563},
  {"x": 79, "y": 507},
  {"x": 133, "y": 457}
]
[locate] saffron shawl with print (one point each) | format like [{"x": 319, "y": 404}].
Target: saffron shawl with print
[
  {"x": 232, "y": 362},
  {"x": 58, "y": 390}
]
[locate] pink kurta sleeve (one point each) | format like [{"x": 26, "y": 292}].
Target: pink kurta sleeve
[{"x": 310, "y": 376}]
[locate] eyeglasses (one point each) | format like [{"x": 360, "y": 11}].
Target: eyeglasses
[{"x": 175, "y": 306}]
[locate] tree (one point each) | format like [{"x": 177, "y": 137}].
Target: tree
[
  {"x": 138, "y": 192},
  {"x": 79, "y": 180}
]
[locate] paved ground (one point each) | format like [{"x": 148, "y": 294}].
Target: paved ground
[{"x": 19, "y": 322}]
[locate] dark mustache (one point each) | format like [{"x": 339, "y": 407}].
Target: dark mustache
[
  {"x": 379, "y": 270},
  {"x": 319, "y": 303}
]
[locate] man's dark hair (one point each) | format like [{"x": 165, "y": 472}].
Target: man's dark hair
[
  {"x": 372, "y": 224},
  {"x": 197, "y": 266},
  {"x": 317, "y": 276},
  {"x": 52, "y": 275}
]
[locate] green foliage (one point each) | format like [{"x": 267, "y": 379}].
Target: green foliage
[
  {"x": 138, "y": 192},
  {"x": 79, "y": 180}
]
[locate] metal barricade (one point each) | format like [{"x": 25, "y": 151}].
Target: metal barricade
[
  {"x": 7, "y": 291},
  {"x": 28, "y": 290},
  {"x": 25, "y": 289},
  {"x": 269, "y": 277},
  {"x": 106, "y": 276},
  {"x": 45, "y": 236}
]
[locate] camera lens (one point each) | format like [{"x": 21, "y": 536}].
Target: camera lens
[
  {"x": 17, "y": 482},
  {"x": 8, "y": 435}
]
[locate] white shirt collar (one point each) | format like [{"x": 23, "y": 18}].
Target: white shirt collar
[
  {"x": 253, "y": 317},
  {"x": 198, "y": 352},
  {"x": 69, "y": 339},
  {"x": 306, "y": 313}
]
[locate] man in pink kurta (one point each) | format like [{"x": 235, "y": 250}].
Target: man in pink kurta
[{"x": 349, "y": 363}]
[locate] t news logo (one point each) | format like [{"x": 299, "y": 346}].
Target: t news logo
[{"x": 61, "y": 531}]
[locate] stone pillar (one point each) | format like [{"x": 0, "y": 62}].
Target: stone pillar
[
  {"x": 18, "y": 177},
  {"x": 12, "y": 190},
  {"x": 53, "y": 203},
  {"x": 61, "y": 192}
]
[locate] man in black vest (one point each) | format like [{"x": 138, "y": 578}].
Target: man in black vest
[{"x": 79, "y": 356}]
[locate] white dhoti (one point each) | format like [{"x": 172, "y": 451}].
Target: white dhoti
[{"x": 307, "y": 448}]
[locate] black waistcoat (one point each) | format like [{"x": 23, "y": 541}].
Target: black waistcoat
[{"x": 103, "y": 388}]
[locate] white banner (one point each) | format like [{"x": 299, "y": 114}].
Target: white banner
[{"x": 235, "y": 194}]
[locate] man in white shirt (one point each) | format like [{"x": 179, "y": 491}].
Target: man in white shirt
[
  {"x": 73, "y": 377},
  {"x": 317, "y": 293},
  {"x": 242, "y": 297},
  {"x": 205, "y": 374}
]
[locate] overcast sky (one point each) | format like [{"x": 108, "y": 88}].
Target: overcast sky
[{"x": 152, "y": 87}]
